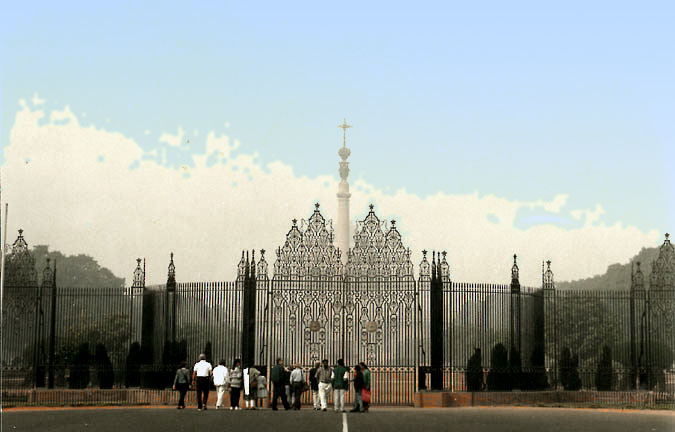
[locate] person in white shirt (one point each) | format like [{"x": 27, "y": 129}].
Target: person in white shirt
[
  {"x": 202, "y": 373},
  {"x": 220, "y": 380},
  {"x": 297, "y": 385}
]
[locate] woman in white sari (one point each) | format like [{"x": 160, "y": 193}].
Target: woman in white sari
[{"x": 250, "y": 386}]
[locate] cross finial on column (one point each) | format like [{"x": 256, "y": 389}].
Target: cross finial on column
[{"x": 344, "y": 126}]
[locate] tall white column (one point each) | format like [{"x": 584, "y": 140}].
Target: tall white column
[{"x": 343, "y": 195}]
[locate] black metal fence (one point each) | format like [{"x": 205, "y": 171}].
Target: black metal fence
[{"x": 495, "y": 337}]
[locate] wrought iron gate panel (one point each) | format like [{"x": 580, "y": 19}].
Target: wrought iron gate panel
[
  {"x": 380, "y": 321},
  {"x": 306, "y": 324}
]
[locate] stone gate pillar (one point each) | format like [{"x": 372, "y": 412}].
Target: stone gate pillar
[
  {"x": 515, "y": 353},
  {"x": 550, "y": 327},
  {"x": 436, "y": 330},
  {"x": 248, "y": 314}
]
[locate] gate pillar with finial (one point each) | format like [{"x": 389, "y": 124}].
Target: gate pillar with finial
[
  {"x": 436, "y": 329},
  {"x": 170, "y": 306},
  {"x": 248, "y": 314}
]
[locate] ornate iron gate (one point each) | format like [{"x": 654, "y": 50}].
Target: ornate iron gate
[{"x": 363, "y": 311}]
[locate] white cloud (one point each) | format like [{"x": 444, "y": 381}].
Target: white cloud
[
  {"x": 208, "y": 214},
  {"x": 65, "y": 115},
  {"x": 36, "y": 101},
  {"x": 173, "y": 140}
]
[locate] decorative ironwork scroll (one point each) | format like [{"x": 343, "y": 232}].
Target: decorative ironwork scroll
[
  {"x": 663, "y": 267},
  {"x": 378, "y": 250},
  {"x": 308, "y": 250},
  {"x": 662, "y": 287},
  {"x": 319, "y": 313}
]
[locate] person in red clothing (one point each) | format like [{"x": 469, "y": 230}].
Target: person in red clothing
[
  {"x": 358, "y": 386},
  {"x": 366, "y": 382}
]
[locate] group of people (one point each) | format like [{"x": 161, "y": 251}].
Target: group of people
[
  {"x": 288, "y": 384},
  {"x": 235, "y": 380}
]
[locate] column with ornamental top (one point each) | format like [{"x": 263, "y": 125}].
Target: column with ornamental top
[{"x": 343, "y": 195}]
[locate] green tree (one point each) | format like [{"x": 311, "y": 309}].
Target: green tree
[
  {"x": 111, "y": 330},
  {"x": 76, "y": 271},
  {"x": 617, "y": 276}
]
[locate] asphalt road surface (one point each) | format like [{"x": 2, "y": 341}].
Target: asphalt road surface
[{"x": 382, "y": 419}]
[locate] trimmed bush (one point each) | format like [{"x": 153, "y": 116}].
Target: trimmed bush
[
  {"x": 79, "y": 369},
  {"x": 474, "y": 372},
  {"x": 498, "y": 378},
  {"x": 605, "y": 372},
  {"x": 106, "y": 375}
]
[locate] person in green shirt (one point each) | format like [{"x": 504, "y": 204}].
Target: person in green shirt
[
  {"x": 366, "y": 381},
  {"x": 340, "y": 382}
]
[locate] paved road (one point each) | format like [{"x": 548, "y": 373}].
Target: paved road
[{"x": 383, "y": 419}]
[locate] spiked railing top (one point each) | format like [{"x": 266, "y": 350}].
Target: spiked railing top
[
  {"x": 445, "y": 267},
  {"x": 515, "y": 272},
  {"x": 139, "y": 275},
  {"x": 171, "y": 273},
  {"x": 548, "y": 276},
  {"x": 425, "y": 267},
  {"x": 20, "y": 244}
]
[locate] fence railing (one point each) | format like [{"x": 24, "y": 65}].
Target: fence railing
[{"x": 494, "y": 338}]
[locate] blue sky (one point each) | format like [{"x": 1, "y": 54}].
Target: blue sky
[{"x": 523, "y": 100}]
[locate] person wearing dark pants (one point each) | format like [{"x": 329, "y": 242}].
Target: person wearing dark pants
[
  {"x": 202, "y": 375},
  {"x": 182, "y": 383},
  {"x": 366, "y": 382},
  {"x": 297, "y": 380},
  {"x": 277, "y": 376},
  {"x": 314, "y": 386},
  {"x": 236, "y": 376},
  {"x": 358, "y": 386}
]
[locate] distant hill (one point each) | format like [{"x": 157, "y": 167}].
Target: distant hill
[
  {"x": 75, "y": 270},
  {"x": 617, "y": 276}
]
